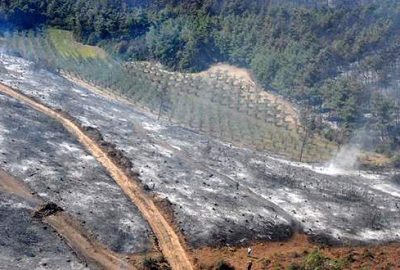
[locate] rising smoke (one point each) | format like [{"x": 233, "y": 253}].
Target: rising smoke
[{"x": 347, "y": 158}]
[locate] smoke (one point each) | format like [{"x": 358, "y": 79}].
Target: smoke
[
  {"x": 4, "y": 34},
  {"x": 347, "y": 158}
]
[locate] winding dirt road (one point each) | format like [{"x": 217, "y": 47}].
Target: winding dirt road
[
  {"x": 168, "y": 240},
  {"x": 88, "y": 249}
]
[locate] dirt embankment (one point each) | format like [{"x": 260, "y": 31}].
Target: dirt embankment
[
  {"x": 283, "y": 255},
  {"x": 86, "y": 247},
  {"x": 168, "y": 239}
]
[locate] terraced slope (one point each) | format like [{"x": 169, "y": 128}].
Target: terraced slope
[
  {"x": 219, "y": 193},
  {"x": 214, "y": 103}
]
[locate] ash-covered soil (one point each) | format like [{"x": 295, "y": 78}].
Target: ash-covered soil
[
  {"x": 26, "y": 243},
  {"x": 220, "y": 193},
  {"x": 39, "y": 151}
]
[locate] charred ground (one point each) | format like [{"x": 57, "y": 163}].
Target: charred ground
[{"x": 237, "y": 195}]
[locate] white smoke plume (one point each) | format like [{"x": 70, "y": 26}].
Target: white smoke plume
[{"x": 346, "y": 159}]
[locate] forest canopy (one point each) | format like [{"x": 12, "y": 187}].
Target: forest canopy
[{"x": 339, "y": 58}]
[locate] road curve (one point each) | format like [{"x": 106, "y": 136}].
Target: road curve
[{"x": 168, "y": 240}]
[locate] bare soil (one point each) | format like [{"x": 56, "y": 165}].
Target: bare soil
[
  {"x": 10, "y": 185},
  {"x": 239, "y": 73},
  {"x": 38, "y": 151},
  {"x": 344, "y": 207},
  {"x": 93, "y": 252},
  {"x": 168, "y": 240},
  {"x": 215, "y": 189},
  {"x": 88, "y": 249},
  {"x": 280, "y": 255},
  {"x": 245, "y": 75}
]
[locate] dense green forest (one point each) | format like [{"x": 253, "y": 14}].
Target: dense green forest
[{"x": 339, "y": 60}]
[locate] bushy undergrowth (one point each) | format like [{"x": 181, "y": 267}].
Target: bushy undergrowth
[{"x": 316, "y": 260}]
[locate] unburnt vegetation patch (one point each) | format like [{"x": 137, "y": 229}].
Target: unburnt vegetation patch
[
  {"x": 217, "y": 104},
  {"x": 221, "y": 194}
]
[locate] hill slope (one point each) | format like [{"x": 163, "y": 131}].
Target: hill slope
[{"x": 327, "y": 56}]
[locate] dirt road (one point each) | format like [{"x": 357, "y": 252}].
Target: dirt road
[
  {"x": 168, "y": 240},
  {"x": 93, "y": 252},
  {"x": 87, "y": 248}
]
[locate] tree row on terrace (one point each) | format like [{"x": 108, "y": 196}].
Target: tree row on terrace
[{"x": 337, "y": 57}]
